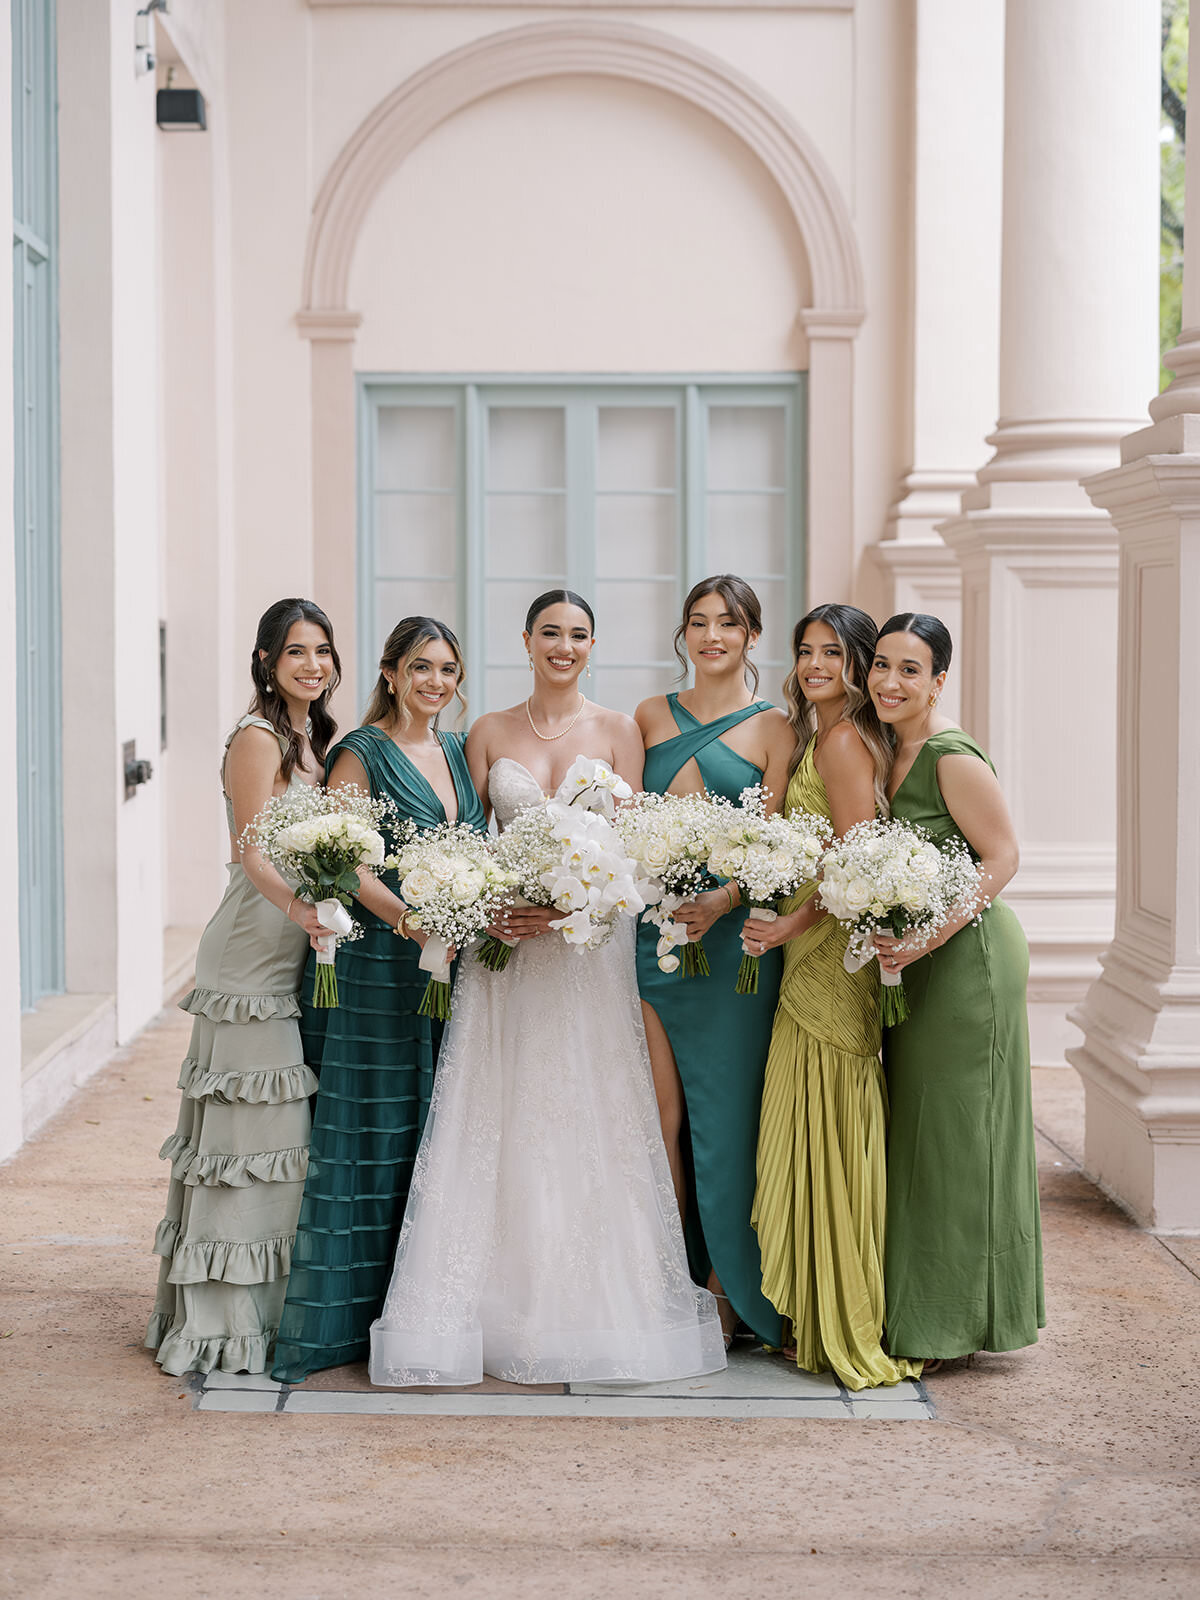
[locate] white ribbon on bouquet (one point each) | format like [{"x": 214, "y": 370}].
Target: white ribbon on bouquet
[
  {"x": 860, "y": 950},
  {"x": 759, "y": 914},
  {"x": 333, "y": 915},
  {"x": 435, "y": 959}
]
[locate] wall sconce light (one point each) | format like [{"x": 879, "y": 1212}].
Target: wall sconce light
[
  {"x": 180, "y": 110},
  {"x": 143, "y": 50}
]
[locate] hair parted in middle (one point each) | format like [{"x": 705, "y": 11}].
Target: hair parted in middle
[
  {"x": 400, "y": 649},
  {"x": 743, "y": 606},
  {"x": 856, "y": 633}
]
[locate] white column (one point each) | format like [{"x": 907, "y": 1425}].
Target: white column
[
  {"x": 1078, "y": 337},
  {"x": 955, "y": 298},
  {"x": 1140, "y": 1057}
]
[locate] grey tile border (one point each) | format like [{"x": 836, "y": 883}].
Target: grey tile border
[{"x": 757, "y": 1383}]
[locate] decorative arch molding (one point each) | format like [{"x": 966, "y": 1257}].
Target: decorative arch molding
[
  {"x": 578, "y": 47},
  {"x": 582, "y": 47}
]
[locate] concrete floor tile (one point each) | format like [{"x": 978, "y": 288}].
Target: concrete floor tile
[
  {"x": 236, "y": 1400},
  {"x": 905, "y": 1390},
  {"x": 750, "y": 1374},
  {"x": 241, "y": 1380},
  {"x": 892, "y": 1410}
]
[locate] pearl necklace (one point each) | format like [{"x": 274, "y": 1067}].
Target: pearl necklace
[{"x": 549, "y": 738}]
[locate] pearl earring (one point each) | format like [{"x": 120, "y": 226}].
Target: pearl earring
[{"x": 589, "y": 668}]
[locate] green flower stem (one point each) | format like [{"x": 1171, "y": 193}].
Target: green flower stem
[
  {"x": 747, "y": 978},
  {"x": 893, "y": 1005},
  {"x": 494, "y": 953},
  {"x": 435, "y": 1002},
  {"x": 693, "y": 963},
  {"x": 325, "y": 989}
]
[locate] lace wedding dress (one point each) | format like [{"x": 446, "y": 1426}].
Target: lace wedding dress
[{"x": 542, "y": 1240}]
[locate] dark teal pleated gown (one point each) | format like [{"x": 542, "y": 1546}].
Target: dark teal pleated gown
[
  {"x": 720, "y": 1040},
  {"x": 375, "y": 1057}
]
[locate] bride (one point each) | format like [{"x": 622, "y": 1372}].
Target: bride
[{"x": 542, "y": 1240}]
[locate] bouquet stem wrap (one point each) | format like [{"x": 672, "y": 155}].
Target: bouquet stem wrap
[
  {"x": 333, "y": 915},
  {"x": 435, "y": 959},
  {"x": 893, "y": 1002},
  {"x": 747, "y": 978},
  {"x": 496, "y": 950}
]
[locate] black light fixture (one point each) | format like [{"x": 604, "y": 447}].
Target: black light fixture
[{"x": 180, "y": 110}]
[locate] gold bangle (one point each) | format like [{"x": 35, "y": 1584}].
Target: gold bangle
[
  {"x": 729, "y": 892},
  {"x": 288, "y": 912}
]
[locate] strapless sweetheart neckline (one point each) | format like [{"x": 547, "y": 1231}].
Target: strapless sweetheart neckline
[{"x": 513, "y": 762}]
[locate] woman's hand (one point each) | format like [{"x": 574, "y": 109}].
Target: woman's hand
[
  {"x": 895, "y": 955},
  {"x": 421, "y": 937},
  {"x": 304, "y": 914},
  {"x": 760, "y": 936},
  {"x": 525, "y": 922},
  {"x": 699, "y": 914}
]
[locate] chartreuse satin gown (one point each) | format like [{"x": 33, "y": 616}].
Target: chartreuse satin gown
[
  {"x": 822, "y": 1183},
  {"x": 720, "y": 1040},
  {"x": 964, "y": 1241},
  {"x": 376, "y": 1060}
]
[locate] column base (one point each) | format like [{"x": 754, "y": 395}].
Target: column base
[{"x": 1140, "y": 1065}]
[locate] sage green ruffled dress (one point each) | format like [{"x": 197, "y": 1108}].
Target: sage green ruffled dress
[
  {"x": 240, "y": 1149},
  {"x": 376, "y": 1057}
]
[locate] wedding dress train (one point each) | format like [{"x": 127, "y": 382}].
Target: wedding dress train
[{"x": 542, "y": 1240}]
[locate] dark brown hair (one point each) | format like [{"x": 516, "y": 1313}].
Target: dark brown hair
[
  {"x": 930, "y": 630},
  {"x": 274, "y": 625},
  {"x": 856, "y": 633},
  {"x": 741, "y": 602},
  {"x": 557, "y": 597}
]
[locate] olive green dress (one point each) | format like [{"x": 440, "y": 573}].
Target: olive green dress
[
  {"x": 964, "y": 1241},
  {"x": 720, "y": 1041},
  {"x": 376, "y": 1059},
  {"x": 240, "y": 1149},
  {"x": 822, "y": 1183}
]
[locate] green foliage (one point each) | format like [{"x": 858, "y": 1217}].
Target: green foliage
[{"x": 1174, "y": 103}]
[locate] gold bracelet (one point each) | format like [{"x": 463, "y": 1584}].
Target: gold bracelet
[
  {"x": 729, "y": 892},
  {"x": 288, "y": 912}
]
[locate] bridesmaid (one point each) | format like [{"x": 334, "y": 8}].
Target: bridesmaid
[
  {"x": 239, "y": 1151},
  {"x": 375, "y": 1055},
  {"x": 708, "y": 1045},
  {"x": 822, "y": 1186},
  {"x": 964, "y": 1257}
]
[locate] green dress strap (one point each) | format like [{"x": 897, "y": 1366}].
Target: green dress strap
[
  {"x": 919, "y": 797},
  {"x": 723, "y": 770},
  {"x": 391, "y": 773}
]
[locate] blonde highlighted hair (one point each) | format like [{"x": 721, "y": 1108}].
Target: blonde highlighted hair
[
  {"x": 401, "y": 647},
  {"x": 855, "y": 632}
]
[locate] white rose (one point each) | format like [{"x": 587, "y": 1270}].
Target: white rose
[
  {"x": 465, "y": 886},
  {"x": 418, "y": 886},
  {"x": 656, "y": 856},
  {"x": 856, "y": 895}
]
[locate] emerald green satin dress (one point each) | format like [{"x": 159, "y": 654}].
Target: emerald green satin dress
[
  {"x": 963, "y": 1269},
  {"x": 376, "y": 1059},
  {"x": 720, "y": 1040}
]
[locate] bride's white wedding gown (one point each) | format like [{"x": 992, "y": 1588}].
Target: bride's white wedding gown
[{"x": 542, "y": 1240}]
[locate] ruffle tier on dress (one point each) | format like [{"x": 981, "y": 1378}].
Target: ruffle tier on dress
[{"x": 239, "y": 1153}]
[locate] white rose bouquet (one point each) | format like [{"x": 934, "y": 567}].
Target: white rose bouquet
[
  {"x": 767, "y": 857},
  {"x": 891, "y": 875},
  {"x": 320, "y": 839},
  {"x": 453, "y": 887},
  {"x": 566, "y": 853},
  {"x": 667, "y": 835}
]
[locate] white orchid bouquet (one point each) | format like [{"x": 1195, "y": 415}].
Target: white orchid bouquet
[
  {"x": 453, "y": 887},
  {"x": 320, "y": 839},
  {"x": 891, "y": 875},
  {"x": 767, "y": 857},
  {"x": 667, "y": 835},
  {"x": 565, "y": 852}
]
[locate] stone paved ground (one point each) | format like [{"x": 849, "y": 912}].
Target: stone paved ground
[{"x": 1070, "y": 1470}]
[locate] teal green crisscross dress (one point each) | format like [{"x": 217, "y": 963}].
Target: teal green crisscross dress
[
  {"x": 720, "y": 1040},
  {"x": 376, "y": 1059}
]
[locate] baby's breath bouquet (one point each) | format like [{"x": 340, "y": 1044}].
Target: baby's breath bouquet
[
  {"x": 891, "y": 875},
  {"x": 453, "y": 887},
  {"x": 667, "y": 835},
  {"x": 767, "y": 857},
  {"x": 319, "y": 839}
]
